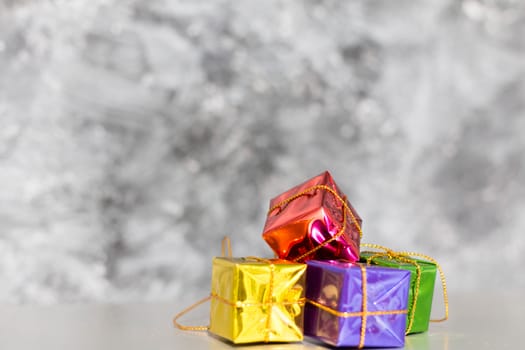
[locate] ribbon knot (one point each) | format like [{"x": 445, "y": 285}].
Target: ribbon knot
[{"x": 391, "y": 254}]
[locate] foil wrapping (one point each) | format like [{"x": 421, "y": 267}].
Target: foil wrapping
[
  {"x": 257, "y": 300},
  {"x": 334, "y": 309},
  {"x": 304, "y": 223}
]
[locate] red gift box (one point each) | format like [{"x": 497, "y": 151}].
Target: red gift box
[{"x": 313, "y": 220}]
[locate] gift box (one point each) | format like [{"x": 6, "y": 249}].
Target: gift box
[
  {"x": 313, "y": 220},
  {"x": 352, "y": 304},
  {"x": 422, "y": 280},
  {"x": 257, "y": 300}
]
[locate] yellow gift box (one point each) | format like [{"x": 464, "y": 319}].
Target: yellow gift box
[{"x": 257, "y": 300}]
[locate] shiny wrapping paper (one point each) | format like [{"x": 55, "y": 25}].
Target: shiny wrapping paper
[
  {"x": 257, "y": 300},
  {"x": 336, "y": 287},
  {"x": 418, "y": 309},
  {"x": 298, "y": 224}
]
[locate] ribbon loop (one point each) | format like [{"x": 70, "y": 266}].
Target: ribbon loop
[{"x": 226, "y": 247}]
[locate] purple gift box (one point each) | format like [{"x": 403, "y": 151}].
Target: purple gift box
[{"x": 350, "y": 304}]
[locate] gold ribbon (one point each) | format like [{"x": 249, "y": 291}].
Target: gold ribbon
[
  {"x": 281, "y": 205},
  {"x": 364, "y": 313},
  {"x": 269, "y": 300},
  {"x": 407, "y": 257},
  {"x": 185, "y": 311},
  {"x": 226, "y": 251},
  {"x": 240, "y": 304}
]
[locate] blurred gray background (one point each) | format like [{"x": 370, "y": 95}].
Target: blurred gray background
[{"x": 135, "y": 134}]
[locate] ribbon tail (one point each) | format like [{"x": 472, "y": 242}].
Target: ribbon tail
[
  {"x": 185, "y": 311},
  {"x": 445, "y": 295}
]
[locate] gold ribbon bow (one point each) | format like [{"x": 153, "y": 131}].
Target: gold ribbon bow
[
  {"x": 407, "y": 257},
  {"x": 364, "y": 313},
  {"x": 345, "y": 209}
]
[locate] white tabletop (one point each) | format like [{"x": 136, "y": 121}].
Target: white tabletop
[{"x": 477, "y": 321}]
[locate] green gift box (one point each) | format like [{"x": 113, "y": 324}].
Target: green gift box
[{"x": 422, "y": 280}]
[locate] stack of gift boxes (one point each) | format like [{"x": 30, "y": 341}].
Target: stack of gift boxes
[{"x": 321, "y": 284}]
